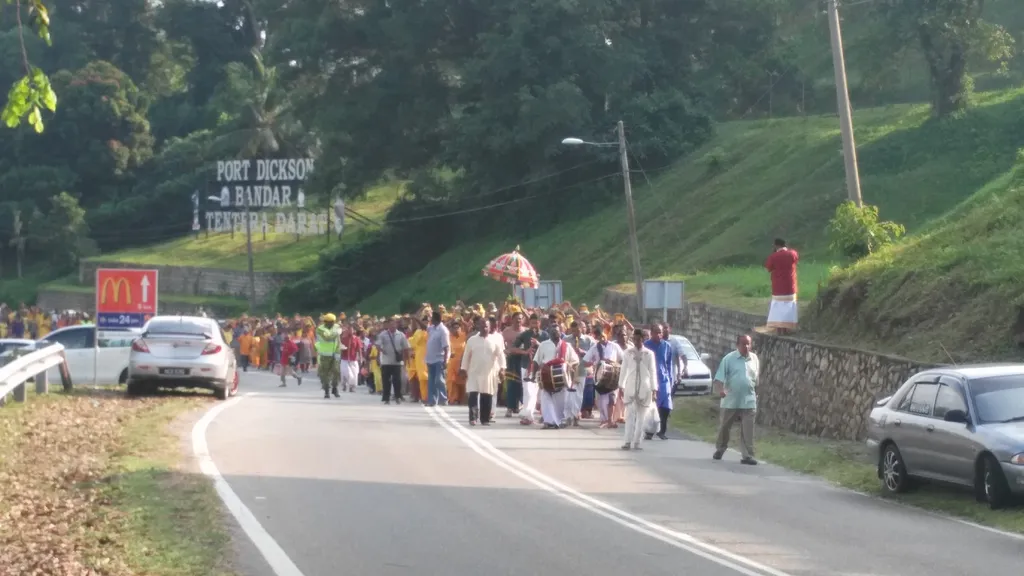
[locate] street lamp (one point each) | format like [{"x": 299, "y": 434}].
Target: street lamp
[{"x": 630, "y": 214}]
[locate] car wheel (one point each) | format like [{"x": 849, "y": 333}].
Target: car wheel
[
  {"x": 993, "y": 486},
  {"x": 222, "y": 391},
  {"x": 234, "y": 383},
  {"x": 893, "y": 472},
  {"x": 135, "y": 388}
]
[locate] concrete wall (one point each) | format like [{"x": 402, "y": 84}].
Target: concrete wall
[
  {"x": 86, "y": 301},
  {"x": 805, "y": 387},
  {"x": 194, "y": 281}
]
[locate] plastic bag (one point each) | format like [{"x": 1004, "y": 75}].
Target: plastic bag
[{"x": 651, "y": 421}]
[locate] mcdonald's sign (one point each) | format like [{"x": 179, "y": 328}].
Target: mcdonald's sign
[{"x": 126, "y": 297}]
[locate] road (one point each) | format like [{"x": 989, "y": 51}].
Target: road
[{"x": 350, "y": 486}]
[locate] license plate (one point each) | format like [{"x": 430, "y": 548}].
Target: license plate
[{"x": 174, "y": 371}]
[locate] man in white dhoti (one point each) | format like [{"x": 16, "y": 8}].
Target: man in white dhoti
[
  {"x": 552, "y": 404},
  {"x": 483, "y": 361},
  {"x": 638, "y": 380},
  {"x": 781, "y": 265},
  {"x": 580, "y": 343},
  {"x": 609, "y": 354}
]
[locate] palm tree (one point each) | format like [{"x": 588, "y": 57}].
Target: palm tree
[{"x": 18, "y": 241}]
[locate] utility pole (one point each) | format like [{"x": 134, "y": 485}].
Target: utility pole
[
  {"x": 843, "y": 103},
  {"x": 248, "y": 247},
  {"x": 638, "y": 276}
]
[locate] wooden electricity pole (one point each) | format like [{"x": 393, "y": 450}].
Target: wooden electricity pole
[{"x": 843, "y": 102}]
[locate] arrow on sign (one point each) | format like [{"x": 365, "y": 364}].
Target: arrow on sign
[{"x": 145, "y": 289}]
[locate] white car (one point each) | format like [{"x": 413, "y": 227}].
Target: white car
[
  {"x": 182, "y": 352},
  {"x": 108, "y": 362},
  {"x": 697, "y": 381}
]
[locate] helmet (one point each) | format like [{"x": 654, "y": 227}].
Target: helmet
[{"x": 329, "y": 317}]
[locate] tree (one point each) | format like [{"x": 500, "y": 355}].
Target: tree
[
  {"x": 33, "y": 92},
  {"x": 63, "y": 233},
  {"x": 18, "y": 240},
  {"x": 949, "y": 33}
]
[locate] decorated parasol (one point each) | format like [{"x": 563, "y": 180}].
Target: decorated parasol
[{"x": 513, "y": 268}]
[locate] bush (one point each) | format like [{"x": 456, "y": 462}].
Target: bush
[{"x": 856, "y": 232}]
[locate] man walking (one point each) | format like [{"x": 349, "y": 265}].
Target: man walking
[
  {"x": 351, "y": 356},
  {"x": 438, "y": 352},
  {"x": 393, "y": 351},
  {"x": 736, "y": 381},
  {"x": 327, "y": 344},
  {"x": 288, "y": 351},
  {"x": 638, "y": 380},
  {"x": 482, "y": 363},
  {"x": 663, "y": 361}
]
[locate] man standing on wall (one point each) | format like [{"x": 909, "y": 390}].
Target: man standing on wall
[
  {"x": 736, "y": 381},
  {"x": 781, "y": 265}
]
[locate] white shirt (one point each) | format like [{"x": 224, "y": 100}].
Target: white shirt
[
  {"x": 548, "y": 351},
  {"x": 483, "y": 359},
  {"x": 638, "y": 377},
  {"x": 610, "y": 352}
]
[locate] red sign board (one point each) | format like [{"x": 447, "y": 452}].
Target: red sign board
[{"x": 125, "y": 297}]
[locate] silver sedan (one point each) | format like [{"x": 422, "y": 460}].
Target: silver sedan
[
  {"x": 182, "y": 352},
  {"x": 961, "y": 425}
]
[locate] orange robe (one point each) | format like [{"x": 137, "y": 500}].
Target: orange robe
[{"x": 456, "y": 388}]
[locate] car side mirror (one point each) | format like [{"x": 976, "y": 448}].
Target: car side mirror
[
  {"x": 705, "y": 357},
  {"x": 958, "y": 416}
]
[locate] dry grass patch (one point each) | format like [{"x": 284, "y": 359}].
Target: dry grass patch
[{"x": 90, "y": 486}]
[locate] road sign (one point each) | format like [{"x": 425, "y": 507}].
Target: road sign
[{"x": 125, "y": 297}]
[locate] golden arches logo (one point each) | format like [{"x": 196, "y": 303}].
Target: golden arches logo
[{"x": 117, "y": 283}]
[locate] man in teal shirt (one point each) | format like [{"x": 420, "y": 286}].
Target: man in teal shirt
[{"x": 736, "y": 381}]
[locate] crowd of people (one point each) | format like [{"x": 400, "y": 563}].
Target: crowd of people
[
  {"x": 558, "y": 368},
  {"x": 33, "y": 323}
]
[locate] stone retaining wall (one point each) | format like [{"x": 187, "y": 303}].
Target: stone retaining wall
[
  {"x": 805, "y": 387},
  {"x": 194, "y": 281}
]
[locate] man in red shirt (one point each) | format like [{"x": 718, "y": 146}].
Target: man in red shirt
[
  {"x": 351, "y": 356},
  {"x": 782, "y": 315},
  {"x": 288, "y": 350}
]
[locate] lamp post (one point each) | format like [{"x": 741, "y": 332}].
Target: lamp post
[{"x": 638, "y": 276}]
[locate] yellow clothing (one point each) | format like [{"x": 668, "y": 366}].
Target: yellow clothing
[
  {"x": 419, "y": 352},
  {"x": 245, "y": 344},
  {"x": 455, "y": 390},
  {"x": 375, "y": 368},
  {"x": 3, "y": 330},
  {"x": 45, "y": 325},
  {"x": 254, "y": 351},
  {"x": 227, "y": 336}
]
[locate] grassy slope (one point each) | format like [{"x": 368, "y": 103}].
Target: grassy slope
[
  {"x": 779, "y": 177},
  {"x": 958, "y": 284},
  {"x": 273, "y": 253}
]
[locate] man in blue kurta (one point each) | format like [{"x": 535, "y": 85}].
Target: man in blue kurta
[{"x": 663, "y": 360}]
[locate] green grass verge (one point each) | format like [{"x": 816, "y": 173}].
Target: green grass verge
[
  {"x": 722, "y": 206},
  {"x": 846, "y": 464},
  {"x": 271, "y": 252}
]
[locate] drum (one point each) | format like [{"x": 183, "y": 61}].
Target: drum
[
  {"x": 553, "y": 378},
  {"x": 607, "y": 377}
]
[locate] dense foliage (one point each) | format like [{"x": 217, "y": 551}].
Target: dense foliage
[{"x": 466, "y": 100}]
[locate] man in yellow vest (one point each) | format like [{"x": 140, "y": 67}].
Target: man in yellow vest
[{"x": 328, "y": 345}]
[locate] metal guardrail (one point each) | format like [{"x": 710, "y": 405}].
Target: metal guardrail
[{"x": 33, "y": 365}]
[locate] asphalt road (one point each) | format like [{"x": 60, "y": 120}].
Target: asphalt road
[{"x": 350, "y": 486}]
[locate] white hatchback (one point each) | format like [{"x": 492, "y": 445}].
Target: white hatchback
[
  {"x": 92, "y": 356},
  {"x": 182, "y": 352}
]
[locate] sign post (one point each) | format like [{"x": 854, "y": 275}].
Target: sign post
[{"x": 125, "y": 298}]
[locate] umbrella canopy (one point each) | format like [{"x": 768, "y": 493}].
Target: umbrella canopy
[{"x": 513, "y": 268}]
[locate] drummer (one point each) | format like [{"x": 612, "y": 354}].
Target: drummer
[
  {"x": 607, "y": 354},
  {"x": 552, "y": 404}
]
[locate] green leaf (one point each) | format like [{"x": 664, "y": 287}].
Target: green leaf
[
  {"x": 36, "y": 119},
  {"x": 49, "y": 98}
]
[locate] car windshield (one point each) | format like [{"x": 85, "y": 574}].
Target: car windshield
[
  {"x": 999, "y": 398},
  {"x": 688, "y": 350},
  {"x": 175, "y": 326}
]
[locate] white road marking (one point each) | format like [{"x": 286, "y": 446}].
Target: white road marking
[
  {"x": 672, "y": 537},
  {"x": 275, "y": 556}
]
